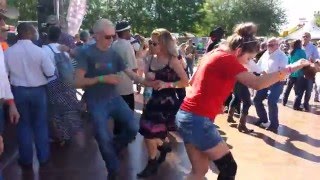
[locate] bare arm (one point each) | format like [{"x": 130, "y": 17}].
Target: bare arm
[
  {"x": 81, "y": 81},
  {"x": 178, "y": 68},
  {"x": 266, "y": 80}
]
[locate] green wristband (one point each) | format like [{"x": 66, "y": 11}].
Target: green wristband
[{"x": 100, "y": 79}]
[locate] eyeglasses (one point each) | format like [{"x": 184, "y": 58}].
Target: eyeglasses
[
  {"x": 110, "y": 36},
  {"x": 272, "y": 45},
  {"x": 153, "y": 43}
]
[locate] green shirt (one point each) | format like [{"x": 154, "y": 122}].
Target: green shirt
[{"x": 297, "y": 55}]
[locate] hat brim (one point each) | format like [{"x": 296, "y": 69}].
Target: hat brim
[
  {"x": 10, "y": 12},
  {"x": 124, "y": 29}
]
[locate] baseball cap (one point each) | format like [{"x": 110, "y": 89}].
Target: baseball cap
[{"x": 123, "y": 26}]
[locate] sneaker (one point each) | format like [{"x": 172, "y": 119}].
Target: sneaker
[{"x": 266, "y": 125}]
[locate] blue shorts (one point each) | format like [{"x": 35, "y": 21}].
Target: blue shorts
[{"x": 197, "y": 130}]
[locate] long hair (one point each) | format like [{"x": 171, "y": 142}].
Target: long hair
[
  {"x": 166, "y": 40},
  {"x": 295, "y": 45}
]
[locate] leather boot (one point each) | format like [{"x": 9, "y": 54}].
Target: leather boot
[
  {"x": 242, "y": 124},
  {"x": 230, "y": 115}
]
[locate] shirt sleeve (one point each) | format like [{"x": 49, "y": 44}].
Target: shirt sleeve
[
  {"x": 5, "y": 89},
  {"x": 47, "y": 66},
  {"x": 81, "y": 60}
]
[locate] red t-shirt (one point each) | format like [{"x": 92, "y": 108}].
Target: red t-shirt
[{"x": 212, "y": 84}]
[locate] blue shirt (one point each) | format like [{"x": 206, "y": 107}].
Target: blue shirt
[
  {"x": 96, "y": 63},
  {"x": 297, "y": 55}
]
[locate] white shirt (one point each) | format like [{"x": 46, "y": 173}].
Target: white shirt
[
  {"x": 253, "y": 67},
  {"x": 125, "y": 50},
  {"x": 273, "y": 62},
  {"x": 311, "y": 51},
  {"x": 5, "y": 89},
  {"x": 28, "y": 65}
]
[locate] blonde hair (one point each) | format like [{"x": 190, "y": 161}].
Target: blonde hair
[{"x": 166, "y": 40}]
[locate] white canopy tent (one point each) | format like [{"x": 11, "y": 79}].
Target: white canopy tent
[{"x": 310, "y": 27}]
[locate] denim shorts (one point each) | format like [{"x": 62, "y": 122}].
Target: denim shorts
[{"x": 197, "y": 130}]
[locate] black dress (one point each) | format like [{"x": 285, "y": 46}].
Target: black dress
[{"x": 158, "y": 115}]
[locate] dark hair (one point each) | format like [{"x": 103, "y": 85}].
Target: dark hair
[
  {"x": 295, "y": 45},
  {"x": 24, "y": 29},
  {"x": 54, "y": 34},
  {"x": 244, "y": 38}
]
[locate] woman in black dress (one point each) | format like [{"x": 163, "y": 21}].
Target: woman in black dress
[{"x": 158, "y": 115}]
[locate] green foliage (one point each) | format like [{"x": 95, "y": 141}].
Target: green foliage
[
  {"x": 146, "y": 15},
  {"x": 195, "y": 16},
  {"x": 227, "y": 13},
  {"x": 317, "y": 18}
]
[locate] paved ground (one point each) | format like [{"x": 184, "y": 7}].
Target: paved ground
[{"x": 293, "y": 154}]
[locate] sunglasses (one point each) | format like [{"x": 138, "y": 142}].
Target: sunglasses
[
  {"x": 110, "y": 37},
  {"x": 271, "y": 45},
  {"x": 153, "y": 43}
]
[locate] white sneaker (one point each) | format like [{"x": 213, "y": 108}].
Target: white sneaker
[{"x": 266, "y": 125}]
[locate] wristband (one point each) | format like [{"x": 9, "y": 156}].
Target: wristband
[
  {"x": 289, "y": 69},
  {"x": 100, "y": 79},
  {"x": 10, "y": 102}
]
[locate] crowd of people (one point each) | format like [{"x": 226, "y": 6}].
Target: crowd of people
[{"x": 108, "y": 60}]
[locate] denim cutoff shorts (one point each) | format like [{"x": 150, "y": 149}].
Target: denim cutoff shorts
[{"x": 197, "y": 130}]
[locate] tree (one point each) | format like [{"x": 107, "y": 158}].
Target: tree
[
  {"x": 27, "y": 9},
  {"x": 267, "y": 14},
  {"x": 317, "y": 18},
  {"x": 146, "y": 15}
]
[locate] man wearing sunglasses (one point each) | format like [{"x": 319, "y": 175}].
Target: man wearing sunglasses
[
  {"x": 99, "y": 70},
  {"x": 271, "y": 61}
]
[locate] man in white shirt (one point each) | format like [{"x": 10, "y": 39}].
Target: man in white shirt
[
  {"x": 123, "y": 47},
  {"x": 28, "y": 69},
  {"x": 271, "y": 61},
  {"x": 312, "y": 54}
]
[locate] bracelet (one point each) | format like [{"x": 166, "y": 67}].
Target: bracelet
[
  {"x": 10, "y": 102},
  {"x": 100, "y": 79},
  {"x": 289, "y": 69}
]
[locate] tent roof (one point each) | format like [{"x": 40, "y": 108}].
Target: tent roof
[{"x": 310, "y": 27}]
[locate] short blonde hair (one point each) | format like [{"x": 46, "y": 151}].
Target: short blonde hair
[
  {"x": 166, "y": 40},
  {"x": 101, "y": 24}
]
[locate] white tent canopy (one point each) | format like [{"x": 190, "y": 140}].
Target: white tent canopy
[{"x": 310, "y": 27}]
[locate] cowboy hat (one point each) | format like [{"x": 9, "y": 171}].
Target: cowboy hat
[{"x": 9, "y": 12}]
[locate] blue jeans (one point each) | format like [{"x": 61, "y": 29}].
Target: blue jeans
[
  {"x": 101, "y": 111},
  {"x": 190, "y": 63},
  {"x": 197, "y": 130},
  {"x": 303, "y": 85},
  {"x": 273, "y": 98},
  {"x": 2, "y": 119},
  {"x": 31, "y": 103}
]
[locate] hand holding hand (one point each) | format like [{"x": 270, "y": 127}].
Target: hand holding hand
[
  {"x": 111, "y": 79},
  {"x": 13, "y": 114}
]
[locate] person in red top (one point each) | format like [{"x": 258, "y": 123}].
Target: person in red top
[{"x": 210, "y": 86}]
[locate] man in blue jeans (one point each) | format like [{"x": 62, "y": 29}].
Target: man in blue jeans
[
  {"x": 98, "y": 71},
  {"x": 271, "y": 61},
  {"x": 28, "y": 69}
]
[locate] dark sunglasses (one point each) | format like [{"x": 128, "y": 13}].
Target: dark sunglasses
[
  {"x": 153, "y": 43},
  {"x": 110, "y": 36},
  {"x": 271, "y": 45}
]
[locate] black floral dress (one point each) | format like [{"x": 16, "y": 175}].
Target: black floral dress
[{"x": 159, "y": 112}]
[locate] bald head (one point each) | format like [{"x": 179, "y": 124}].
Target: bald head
[{"x": 26, "y": 31}]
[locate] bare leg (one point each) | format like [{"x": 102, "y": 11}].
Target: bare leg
[{"x": 199, "y": 161}]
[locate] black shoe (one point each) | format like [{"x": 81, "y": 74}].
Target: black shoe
[
  {"x": 298, "y": 109},
  {"x": 164, "y": 149},
  {"x": 307, "y": 108},
  {"x": 274, "y": 130},
  {"x": 113, "y": 176},
  {"x": 150, "y": 169}
]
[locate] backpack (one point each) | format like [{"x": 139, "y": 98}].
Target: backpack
[{"x": 64, "y": 67}]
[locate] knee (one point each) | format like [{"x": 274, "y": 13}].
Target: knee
[
  {"x": 199, "y": 172},
  {"x": 227, "y": 166}
]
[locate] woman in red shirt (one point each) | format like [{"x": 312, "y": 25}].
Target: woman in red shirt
[{"x": 210, "y": 86}]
